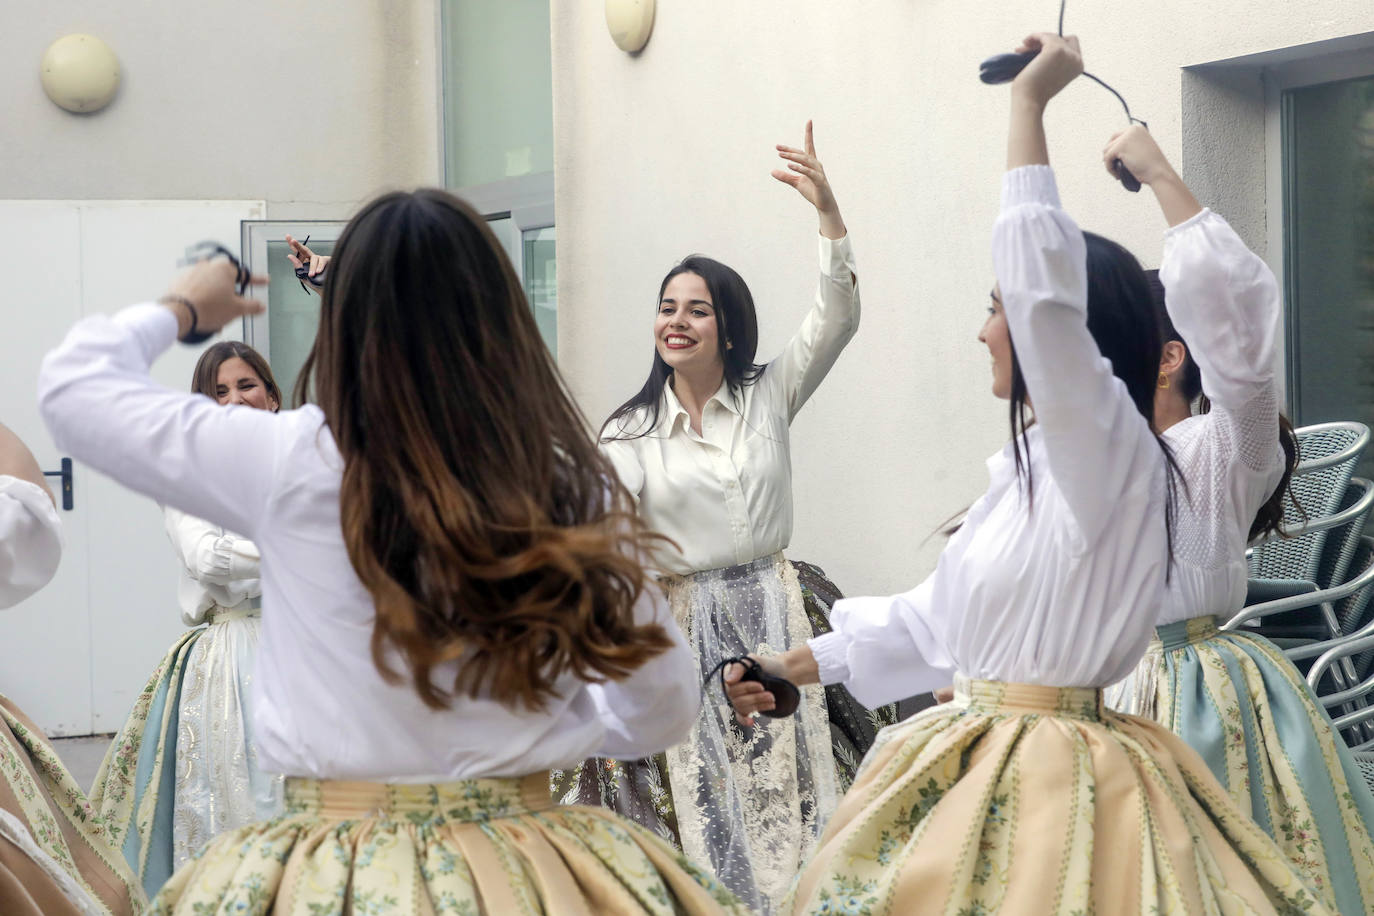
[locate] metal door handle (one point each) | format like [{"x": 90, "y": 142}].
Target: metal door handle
[{"x": 66, "y": 475}]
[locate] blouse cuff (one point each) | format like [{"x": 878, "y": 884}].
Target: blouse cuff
[
  {"x": 32, "y": 497},
  {"x": 1201, "y": 216},
  {"x": 837, "y": 258},
  {"x": 831, "y": 651},
  {"x": 154, "y": 327},
  {"x": 1029, "y": 184}
]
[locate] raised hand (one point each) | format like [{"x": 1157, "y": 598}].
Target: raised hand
[
  {"x": 300, "y": 256},
  {"x": 211, "y": 289},
  {"x": 1137, "y": 151},
  {"x": 805, "y": 173},
  {"x": 1059, "y": 63}
]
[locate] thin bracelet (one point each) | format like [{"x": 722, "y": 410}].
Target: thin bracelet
[{"x": 192, "y": 336}]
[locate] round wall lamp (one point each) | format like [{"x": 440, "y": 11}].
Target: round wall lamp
[
  {"x": 80, "y": 73},
  {"x": 630, "y": 22}
]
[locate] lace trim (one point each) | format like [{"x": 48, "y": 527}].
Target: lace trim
[
  {"x": 750, "y": 803},
  {"x": 13, "y": 829}
]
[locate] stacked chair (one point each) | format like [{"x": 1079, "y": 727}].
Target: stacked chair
[{"x": 1312, "y": 589}]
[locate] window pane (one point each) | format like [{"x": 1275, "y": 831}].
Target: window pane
[
  {"x": 1329, "y": 246},
  {"x": 294, "y": 319},
  {"x": 498, "y": 90},
  {"x": 541, "y": 283}
]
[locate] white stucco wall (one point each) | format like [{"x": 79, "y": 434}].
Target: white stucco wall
[
  {"x": 312, "y": 106},
  {"x": 668, "y": 152}
]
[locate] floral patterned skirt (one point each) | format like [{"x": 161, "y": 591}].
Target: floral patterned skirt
[
  {"x": 184, "y": 768},
  {"x": 480, "y": 846},
  {"x": 56, "y": 858},
  {"x": 1018, "y": 799},
  {"x": 1241, "y": 704}
]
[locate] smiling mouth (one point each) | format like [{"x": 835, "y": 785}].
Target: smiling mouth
[{"x": 678, "y": 342}]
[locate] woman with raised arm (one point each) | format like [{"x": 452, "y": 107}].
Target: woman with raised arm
[
  {"x": 452, "y": 585},
  {"x": 1233, "y": 696},
  {"x": 1025, "y": 794},
  {"x": 704, "y": 449},
  {"x": 57, "y": 858},
  {"x": 185, "y": 768}
]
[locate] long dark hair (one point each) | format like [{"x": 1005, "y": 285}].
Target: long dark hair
[
  {"x": 205, "y": 377},
  {"x": 1121, "y": 319},
  {"x": 737, "y": 339},
  {"x": 1269, "y": 518},
  {"x": 475, "y": 507}
]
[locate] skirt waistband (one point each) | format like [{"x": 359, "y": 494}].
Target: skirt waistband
[
  {"x": 469, "y": 800},
  {"x": 748, "y": 570},
  {"x": 218, "y": 614},
  {"x": 1185, "y": 632},
  {"x": 1002, "y": 697}
]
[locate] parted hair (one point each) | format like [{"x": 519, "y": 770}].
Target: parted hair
[
  {"x": 205, "y": 377},
  {"x": 475, "y": 506}
]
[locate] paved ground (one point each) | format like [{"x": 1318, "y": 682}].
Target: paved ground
[{"x": 82, "y": 756}]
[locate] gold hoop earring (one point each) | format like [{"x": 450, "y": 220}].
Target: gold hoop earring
[{"x": 1163, "y": 381}]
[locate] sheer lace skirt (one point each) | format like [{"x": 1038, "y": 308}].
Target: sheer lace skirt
[{"x": 750, "y": 802}]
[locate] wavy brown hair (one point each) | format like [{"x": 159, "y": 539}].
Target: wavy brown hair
[
  {"x": 205, "y": 377},
  {"x": 475, "y": 506}
]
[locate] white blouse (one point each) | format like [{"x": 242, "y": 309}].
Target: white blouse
[
  {"x": 725, "y": 496},
  {"x": 1064, "y": 593},
  {"x": 1224, "y": 301},
  {"x": 218, "y": 569},
  {"x": 30, "y": 539},
  {"x": 321, "y": 707}
]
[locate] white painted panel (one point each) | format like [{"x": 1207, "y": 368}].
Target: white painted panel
[
  {"x": 129, "y": 250},
  {"x": 45, "y": 642}
]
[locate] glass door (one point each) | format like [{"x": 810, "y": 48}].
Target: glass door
[{"x": 286, "y": 331}]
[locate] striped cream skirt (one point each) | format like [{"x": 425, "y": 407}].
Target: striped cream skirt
[
  {"x": 1244, "y": 707},
  {"x": 1018, "y": 799},
  {"x": 56, "y": 856},
  {"x": 480, "y": 846}
]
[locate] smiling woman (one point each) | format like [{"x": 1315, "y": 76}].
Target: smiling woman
[{"x": 703, "y": 447}]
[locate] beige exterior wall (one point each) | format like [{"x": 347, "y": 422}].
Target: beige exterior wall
[
  {"x": 312, "y": 106},
  {"x": 668, "y": 152}
]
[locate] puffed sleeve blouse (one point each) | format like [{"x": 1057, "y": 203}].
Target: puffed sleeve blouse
[
  {"x": 322, "y": 709},
  {"x": 217, "y": 568},
  {"x": 1060, "y": 590},
  {"x": 725, "y": 496},
  {"x": 1224, "y": 301},
  {"x": 30, "y": 539}
]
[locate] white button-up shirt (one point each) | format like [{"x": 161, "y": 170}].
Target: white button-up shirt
[
  {"x": 1224, "y": 301},
  {"x": 1064, "y": 593},
  {"x": 30, "y": 540},
  {"x": 321, "y": 707},
  {"x": 725, "y": 496}
]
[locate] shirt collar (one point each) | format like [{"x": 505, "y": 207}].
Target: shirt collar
[{"x": 674, "y": 410}]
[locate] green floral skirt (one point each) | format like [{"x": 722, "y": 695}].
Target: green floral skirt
[{"x": 478, "y": 846}]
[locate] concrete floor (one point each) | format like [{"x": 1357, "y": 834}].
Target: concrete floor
[{"x": 82, "y": 756}]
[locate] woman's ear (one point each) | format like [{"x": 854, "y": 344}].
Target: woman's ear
[{"x": 1174, "y": 355}]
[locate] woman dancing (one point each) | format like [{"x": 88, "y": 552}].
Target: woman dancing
[
  {"x": 452, "y": 581},
  {"x": 1233, "y": 696},
  {"x": 56, "y": 857},
  {"x": 1025, "y": 794},
  {"x": 185, "y": 767},
  {"x": 704, "y": 449}
]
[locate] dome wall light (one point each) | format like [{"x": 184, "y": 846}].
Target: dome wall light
[
  {"x": 80, "y": 73},
  {"x": 630, "y": 22}
]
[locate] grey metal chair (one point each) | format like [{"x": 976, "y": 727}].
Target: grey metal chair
[
  {"x": 1328, "y": 454},
  {"x": 1365, "y": 761},
  {"x": 1356, "y": 712}
]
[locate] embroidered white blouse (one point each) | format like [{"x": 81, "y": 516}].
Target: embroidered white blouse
[
  {"x": 1224, "y": 301},
  {"x": 218, "y": 569},
  {"x": 321, "y": 707},
  {"x": 30, "y": 540},
  {"x": 725, "y": 496},
  {"x": 1066, "y": 593}
]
